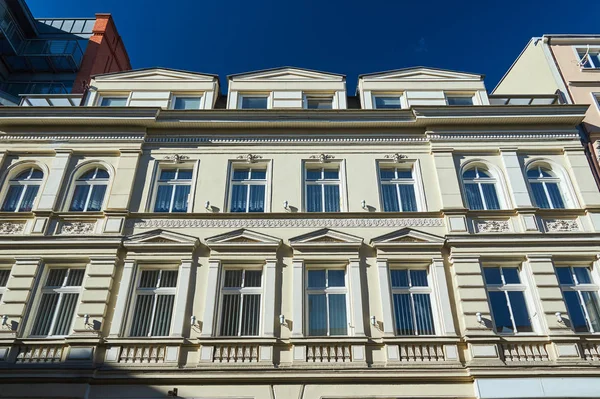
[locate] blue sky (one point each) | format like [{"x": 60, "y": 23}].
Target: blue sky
[{"x": 349, "y": 37}]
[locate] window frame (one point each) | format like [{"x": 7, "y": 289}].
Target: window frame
[
  {"x": 242, "y": 291},
  {"x": 150, "y": 291},
  {"x": 4, "y": 285},
  {"x": 592, "y": 49},
  {"x": 11, "y": 181},
  {"x": 450, "y": 94},
  {"x": 176, "y": 95},
  {"x": 556, "y": 178},
  {"x": 493, "y": 179},
  {"x": 80, "y": 171},
  {"x": 306, "y": 97},
  {"x": 578, "y": 288},
  {"x": 341, "y": 182},
  {"x": 327, "y": 291},
  {"x": 102, "y": 96},
  {"x": 237, "y": 165},
  {"x": 158, "y": 167},
  {"x": 401, "y": 96},
  {"x": 417, "y": 182},
  {"x": 267, "y": 95},
  {"x": 173, "y": 182}
]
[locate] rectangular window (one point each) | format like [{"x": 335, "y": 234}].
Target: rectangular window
[
  {"x": 154, "y": 299},
  {"x": 4, "y": 273},
  {"x": 58, "y": 302},
  {"x": 248, "y": 189},
  {"x": 241, "y": 302},
  {"x": 459, "y": 99},
  {"x": 322, "y": 189},
  {"x": 254, "y": 102},
  {"x": 412, "y": 302},
  {"x": 113, "y": 101},
  {"x": 581, "y": 297},
  {"x": 326, "y": 302},
  {"x": 507, "y": 299},
  {"x": 387, "y": 102},
  {"x": 182, "y": 102},
  {"x": 589, "y": 59},
  {"x": 173, "y": 191},
  {"x": 397, "y": 189},
  {"x": 319, "y": 102}
]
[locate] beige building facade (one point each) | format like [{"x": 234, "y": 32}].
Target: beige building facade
[{"x": 290, "y": 241}]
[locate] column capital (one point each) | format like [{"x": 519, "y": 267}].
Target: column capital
[
  {"x": 296, "y": 262},
  {"x": 129, "y": 263},
  {"x": 270, "y": 262},
  {"x": 187, "y": 263},
  {"x": 465, "y": 259}
]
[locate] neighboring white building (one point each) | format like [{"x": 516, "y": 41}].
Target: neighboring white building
[{"x": 291, "y": 241}]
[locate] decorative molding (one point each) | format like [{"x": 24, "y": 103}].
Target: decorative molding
[
  {"x": 285, "y": 140},
  {"x": 503, "y": 136},
  {"x": 77, "y": 228},
  {"x": 11, "y": 228},
  {"x": 323, "y": 158},
  {"x": 492, "y": 226},
  {"x": 561, "y": 225},
  {"x": 396, "y": 157},
  {"x": 176, "y": 158},
  {"x": 284, "y": 223},
  {"x": 72, "y": 137},
  {"x": 250, "y": 158}
]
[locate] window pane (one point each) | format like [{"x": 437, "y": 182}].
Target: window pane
[
  {"x": 313, "y": 174},
  {"x": 418, "y": 278},
  {"x": 564, "y": 275},
  {"x": 387, "y": 174},
  {"x": 185, "y": 174},
  {"x": 539, "y": 195},
  {"x": 407, "y": 198},
  {"x": 399, "y": 278},
  {"x": 511, "y": 275},
  {"x": 75, "y": 277},
  {"x": 233, "y": 278},
  {"x": 319, "y": 103},
  {"x": 490, "y": 195},
  {"x": 140, "y": 327},
  {"x": 500, "y": 312},
  {"x": 168, "y": 174},
  {"x": 336, "y": 278},
  {"x": 331, "y": 174},
  {"x": 168, "y": 278},
  {"x": 96, "y": 198},
  {"x": 590, "y": 302},
  {"x": 254, "y": 102},
  {"x": 492, "y": 275},
  {"x": 187, "y": 103},
  {"x": 316, "y": 279},
  {"x": 22, "y": 176},
  {"x": 423, "y": 314},
  {"x": 12, "y": 198},
  {"x": 313, "y": 198},
  {"x": 253, "y": 278},
  {"x": 79, "y": 197},
  {"x": 37, "y": 174},
  {"x": 180, "y": 202},
  {"x": 258, "y": 174},
  {"x": 533, "y": 173},
  {"x": 250, "y": 315},
  {"x": 390, "y": 198},
  {"x": 56, "y": 277},
  {"x": 230, "y": 315},
  {"x": 241, "y": 174},
  {"x": 403, "y": 314},
  {"x": 317, "y": 315},
  {"x": 387, "y": 102},
  {"x": 338, "y": 324},
  {"x": 519, "y": 310},
  {"x": 4, "y": 277},
  {"x": 113, "y": 102},
  {"x": 582, "y": 275},
  {"x": 555, "y": 196},
  {"x": 460, "y": 100},
  {"x": 578, "y": 321},
  {"x": 239, "y": 194},
  {"x": 163, "y": 198},
  {"x": 332, "y": 198},
  {"x": 405, "y": 173},
  {"x": 101, "y": 174},
  {"x": 470, "y": 174},
  {"x": 64, "y": 317},
  {"x": 45, "y": 314},
  {"x": 257, "y": 198},
  {"x": 149, "y": 278},
  {"x": 28, "y": 198},
  {"x": 162, "y": 315},
  {"x": 474, "y": 200}
]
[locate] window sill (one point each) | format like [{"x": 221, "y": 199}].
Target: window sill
[
  {"x": 339, "y": 339},
  {"x": 236, "y": 340},
  {"x": 146, "y": 340}
]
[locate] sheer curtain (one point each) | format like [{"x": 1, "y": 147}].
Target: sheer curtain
[
  {"x": 28, "y": 198},
  {"x": 490, "y": 195},
  {"x": 79, "y": 198},
  {"x": 96, "y": 198},
  {"x": 423, "y": 314},
  {"x": 408, "y": 198},
  {"x": 314, "y": 198},
  {"x": 163, "y": 198},
  {"x": 332, "y": 198},
  {"x": 539, "y": 195},
  {"x": 257, "y": 198},
  {"x": 338, "y": 324},
  {"x": 12, "y": 198},
  {"x": 239, "y": 194},
  {"x": 390, "y": 198},
  {"x": 474, "y": 199},
  {"x": 555, "y": 196},
  {"x": 317, "y": 315},
  {"x": 180, "y": 203}
]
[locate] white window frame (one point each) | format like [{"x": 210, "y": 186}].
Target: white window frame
[
  {"x": 174, "y": 182},
  {"x": 25, "y": 183},
  {"x": 416, "y": 181},
  {"x": 60, "y": 290},
  {"x": 504, "y": 287},
  {"x": 318, "y": 96},
  {"x": 493, "y": 179},
  {"x": 584, "y": 50},
  {"x": 401, "y": 96},
  {"x": 341, "y": 182},
  {"x": 327, "y": 291},
  {"x": 155, "y": 291},
  {"x": 470, "y": 95},
  {"x": 91, "y": 183},
  {"x": 176, "y": 95},
  {"x": 236, "y": 165},
  {"x": 102, "y": 96},
  {"x": 596, "y": 99},
  {"x": 242, "y": 291},
  {"x": 3, "y": 287},
  {"x": 593, "y": 287},
  {"x": 267, "y": 95},
  {"x": 543, "y": 180}
]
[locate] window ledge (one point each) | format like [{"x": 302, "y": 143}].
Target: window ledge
[
  {"x": 508, "y": 338},
  {"x": 146, "y": 341},
  {"x": 421, "y": 339},
  {"x": 236, "y": 340},
  {"x": 337, "y": 340}
]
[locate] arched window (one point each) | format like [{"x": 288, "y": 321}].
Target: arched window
[
  {"x": 23, "y": 190},
  {"x": 545, "y": 187},
  {"x": 90, "y": 188},
  {"x": 480, "y": 189}
]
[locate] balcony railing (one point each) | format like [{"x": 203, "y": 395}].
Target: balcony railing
[
  {"x": 50, "y": 100},
  {"x": 63, "y": 55},
  {"x": 517, "y": 99}
]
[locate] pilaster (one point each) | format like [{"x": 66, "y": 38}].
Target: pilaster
[
  {"x": 210, "y": 305},
  {"x": 123, "y": 298},
  {"x": 298, "y": 297},
  {"x": 182, "y": 297},
  {"x": 54, "y": 181},
  {"x": 269, "y": 271}
]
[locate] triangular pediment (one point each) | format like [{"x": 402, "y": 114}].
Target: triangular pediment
[
  {"x": 161, "y": 238},
  {"x": 422, "y": 74},
  {"x": 326, "y": 237},
  {"x": 407, "y": 236},
  {"x": 155, "y": 74},
  {"x": 287, "y": 74},
  {"x": 243, "y": 237}
]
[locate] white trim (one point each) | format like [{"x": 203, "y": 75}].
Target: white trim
[
  {"x": 174, "y": 95},
  {"x": 416, "y": 181},
  {"x": 101, "y": 96},
  {"x": 327, "y": 291},
  {"x": 268, "y": 182},
  {"x": 497, "y": 177},
  {"x": 159, "y": 166},
  {"x": 564, "y": 181},
  {"x": 240, "y": 97},
  {"x": 400, "y": 96},
  {"x": 79, "y": 171},
  {"x": 320, "y": 96},
  {"x": 340, "y": 165}
]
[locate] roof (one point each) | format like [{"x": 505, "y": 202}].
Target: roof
[
  {"x": 156, "y": 68},
  {"x": 283, "y": 68},
  {"x": 417, "y": 68}
]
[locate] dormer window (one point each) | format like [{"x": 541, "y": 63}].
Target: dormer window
[
  {"x": 254, "y": 102},
  {"x": 113, "y": 101},
  {"x": 589, "y": 59},
  {"x": 318, "y": 102},
  {"x": 387, "y": 102},
  {"x": 459, "y": 99},
  {"x": 186, "y": 102}
]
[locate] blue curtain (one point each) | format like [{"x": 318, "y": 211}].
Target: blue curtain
[
  {"x": 238, "y": 198},
  {"x": 490, "y": 195},
  {"x": 390, "y": 198},
  {"x": 257, "y": 198},
  {"x": 163, "y": 198},
  {"x": 407, "y": 197},
  {"x": 316, "y": 279},
  {"x": 12, "y": 198},
  {"x": 180, "y": 202},
  {"x": 79, "y": 197},
  {"x": 474, "y": 200},
  {"x": 96, "y": 198},
  {"x": 403, "y": 314},
  {"x": 399, "y": 278},
  {"x": 555, "y": 196},
  {"x": 423, "y": 314},
  {"x": 28, "y": 198},
  {"x": 418, "y": 278},
  {"x": 539, "y": 195},
  {"x": 519, "y": 311},
  {"x": 332, "y": 198},
  {"x": 338, "y": 324},
  {"x": 317, "y": 315},
  {"x": 313, "y": 198}
]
